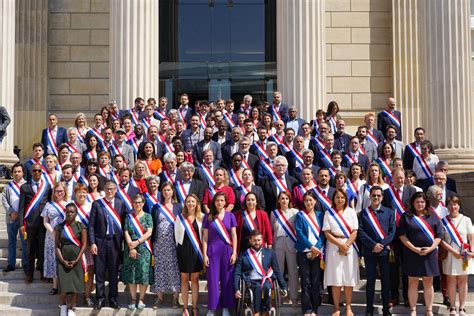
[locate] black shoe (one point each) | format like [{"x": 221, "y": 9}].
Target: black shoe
[
  {"x": 100, "y": 304},
  {"x": 387, "y": 313},
  {"x": 9, "y": 269},
  {"x": 113, "y": 304},
  {"x": 369, "y": 313},
  {"x": 53, "y": 292},
  {"x": 446, "y": 302}
]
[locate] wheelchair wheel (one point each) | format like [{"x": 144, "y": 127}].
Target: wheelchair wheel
[
  {"x": 275, "y": 300},
  {"x": 244, "y": 305}
]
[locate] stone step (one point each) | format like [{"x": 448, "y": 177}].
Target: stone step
[
  {"x": 4, "y": 263},
  {"x": 4, "y": 252}
]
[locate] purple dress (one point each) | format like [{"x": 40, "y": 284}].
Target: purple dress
[
  {"x": 220, "y": 270},
  {"x": 414, "y": 264}
]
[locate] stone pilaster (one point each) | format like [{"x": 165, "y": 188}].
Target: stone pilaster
[
  {"x": 406, "y": 61},
  {"x": 134, "y": 50},
  {"x": 7, "y": 76},
  {"x": 31, "y": 82},
  {"x": 301, "y": 54},
  {"x": 445, "y": 43}
]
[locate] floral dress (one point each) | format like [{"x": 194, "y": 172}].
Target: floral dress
[{"x": 55, "y": 218}]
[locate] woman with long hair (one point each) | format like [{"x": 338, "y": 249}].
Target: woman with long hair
[
  {"x": 307, "y": 185},
  {"x": 221, "y": 179},
  {"x": 52, "y": 173},
  {"x": 374, "y": 177},
  {"x": 152, "y": 196},
  {"x": 139, "y": 176},
  {"x": 148, "y": 156},
  {"x": 96, "y": 190},
  {"x": 386, "y": 160},
  {"x": 340, "y": 181},
  {"x": 219, "y": 247},
  {"x": 93, "y": 149},
  {"x": 248, "y": 185},
  {"x": 187, "y": 233}
]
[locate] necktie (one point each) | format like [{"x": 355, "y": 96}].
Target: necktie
[
  {"x": 110, "y": 224},
  {"x": 324, "y": 192},
  {"x": 36, "y": 186}
]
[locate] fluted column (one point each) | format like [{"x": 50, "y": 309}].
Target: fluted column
[
  {"x": 134, "y": 50},
  {"x": 7, "y": 75},
  {"x": 301, "y": 54},
  {"x": 446, "y": 91},
  {"x": 406, "y": 61}
]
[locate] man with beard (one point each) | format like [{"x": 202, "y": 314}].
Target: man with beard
[{"x": 207, "y": 144}]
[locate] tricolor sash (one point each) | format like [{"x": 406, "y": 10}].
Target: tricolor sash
[
  {"x": 374, "y": 223},
  {"x": 202, "y": 120},
  {"x": 82, "y": 214},
  {"x": 208, "y": 174},
  {"x": 90, "y": 155},
  {"x": 234, "y": 177},
  {"x": 80, "y": 136},
  {"x": 279, "y": 184},
  {"x": 425, "y": 227},
  {"x": 314, "y": 228},
  {"x": 344, "y": 226},
  {"x": 59, "y": 208},
  {"x": 333, "y": 124},
  {"x": 257, "y": 266},
  {"x": 166, "y": 213},
  {"x": 326, "y": 157},
  {"x": 248, "y": 220},
  {"x": 284, "y": 147},
  {"x": 48, "y": 177},
  {"x": 111, "y": 212},
  {"x": 98, "y": 135},
  {"x": 135, "y": 144},
  {"x": 123, "y": 195},
  {"x": 40, "y": 192},
  {"x": 282, "y": 220},
  {"x": 454, "y": 233},
  {"x": 192, "y": 235},
  {"x": 139, "y": 230},
  {"x": 153, "y": 200},
  {"x": 397, "y": 202},
  {"x": 262, "y": 153},
  {"x": 181, "y": 191},
  {"x": 71, "y": 148},
  {"x": 385, "y": 167},
  {"x": 134, "y": 116},
  {"x": 276, "y": 114},
  {"x": 222, "y": 231},
  {"x": 319, "y": 143},
  {"x": 229, "y": 120},
  {"x": 115, "y": 150},
  {"x": 69, "y": 234},
  {"x": 51, "y": 142},
  {"x": 371, "y": 138},
  {"x": 351, "y": 187},
  {"x": 146, "y": 123},
  {"x": 83, "y": 179},
  {"x": 350, "y": 159},
  {"x": 423, "y": 164},
  {"x": 298, "y": 158},
  {"x": 168, "y": 147},
  {"x": 182, "y": 116},
  {"x": 160, "y": 115},
  {"x": 438, "y": 210},
  {"x": 15, "y": 188},
  {"x": 395, "y": 121},
  {"x": 168, "y": 176}
]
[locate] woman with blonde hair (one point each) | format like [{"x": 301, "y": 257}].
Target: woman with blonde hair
[
  {"x": 374, "y": 177},
  {"x": 221, "y": 178},
  {"x": 80, "y": 122},
  {"x": 188, "y": 233},
  {"x": 52, "y": 175},
  {"x": 53, "y": 214},
  {"x": 139, "y": 176}
]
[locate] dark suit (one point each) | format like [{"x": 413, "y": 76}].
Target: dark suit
[
  {"x": 243, "y": 269},
  {"x": 383, "y": 121},
  {"x": 28, "y": 164},
  {"x": 163, "y": 178},
  {"x": 109, "y": 245},
  {"x": 318, "y": 159},
  {"x": 252, "y": 162},
  {"x": 378, "y": 135},
  {"x": 270, "y": 191},
  {"x": 342, "y": 141},
  {"x": 187, "y": 117},
  {"x": 407, "y": 192},
  {"x": 35, "y": 229},
  {"x": 292, "y": 165},
  {"x": 297, "y": 173},
  {"x": 329, "y": 193},
  {"x": 131, "y": 191},
  {"x": 226, "y": 151},
  {"x": 255, "y": 189},
  {"x": 199, "y": 174},
  {"x": 198, "y": 151},
  {"x": 283, "y": 111},
  {"x": 215, "y": 137},
  {"x": 362, "y": 159},
  {"x": 61, "y": 138},
  {"x": 369, "y": 238},
  {"x": 197, "y": 187}
]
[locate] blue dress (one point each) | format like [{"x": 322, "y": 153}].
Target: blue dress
[{"x": 414, "y": 264}]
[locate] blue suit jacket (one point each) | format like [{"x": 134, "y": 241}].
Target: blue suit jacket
[
  {"x": 98, "y": 223},
  {"x": 283, "y": 111},
  {"x": 369, "y": 237},
  {"x": 61, "y": 138},
  {"x": 301, "y": 228},
  {"x": 243, "y": 268},
  {"x": 383, "y": 121}
]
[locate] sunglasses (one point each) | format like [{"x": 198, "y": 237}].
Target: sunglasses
[{"x": 36, "y": 170}]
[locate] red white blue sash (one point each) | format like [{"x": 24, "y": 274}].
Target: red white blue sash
[
  {"x": 425, "y": 227},
  {"x": 52, "y": 142},
  {"x": 298, "y": 158},
  {"x": 168, "y": 147},
  {"x": 344, "y": 226},
  {"x": 267, "y": 167},
  {"x": 115, "y": 150},
  {"x": 314, "y": 228},
  {"x": 397, "y": 202},
  {"x": 192, "y": 235},
  {"x": 182, "y": 116},
  {"x": 98, "y": 135},
  {"x": 208, "y": 174},
  {"x": 234, "y": 177},
  {"x": 350, "y": 159},
  {"x": 182, "y": 193},
  {"x": 222, "y": 231},
  {"x": 279, "y": 140},
  {"x": 83, "y": 179},
  {"x": 80, "y": 136},
  {"x": 35, "y": 200},
  {"x": 166, "y": 213},
  {"x": 160, "y": 115},
  {"x": 243, "y": 193},
  {"x": 395, "y": 121},
  {"x": 82, "y": 214},
  {"x": 90, "y": 155},
  {"x": 111, "y": 212},
  {"x": 257, "y": 266},
  {"x": 249, "y": 222},
  {"x": 279, "y": 184},
  {"x": 134, "y": 116},
  {"x": 276, "y": 113},
  {"x": 385, "y": 167},
  {"x": 423, "y": 164},
  {"x": 351, "y": 187},
  {"x": 262, "y": 153},
  {"x": 103, "y": 172},
  {"x": 59, "y": 208},
  {"x": 371, "y": 138},
  {"x": 168, "y": 176},
  {"x": 454, "y": 233},
  {"x": 139, "y": 230},
  {"x": 332, "y": 123},
  {"x": 15, "y": 188},
  {"x": 114, "y": 177},
  {"x": 71, "y": 148},
  {"x": 69, "y": 234},
  {"x": 374, "y": 223},
  {"x": 134, "y": 143},
  {"x": 326, "y": 158},
  {"x": 146, "y": 123},
  {"x": 202, "y": 119},
  {"x": 438, "y": 210},
  {"x": 123, "y": 195},
  {"x": 229, "y": 120},
  {"x": 319, "y": 143},
  {"x": 282, "y": 220}
]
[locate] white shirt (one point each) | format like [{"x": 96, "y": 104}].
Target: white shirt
[
  {"x": 432, "y": 160},
  {"x": 254, "y": 275}
]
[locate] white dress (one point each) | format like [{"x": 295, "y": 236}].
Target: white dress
[
  {"x": 451, "y": 265},
  {"x": 340, "y": 270}
]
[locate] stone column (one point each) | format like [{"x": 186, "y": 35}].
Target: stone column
[
  {"x": 301, "y": 54},
  {"x": 7, "y": 76},
  {"x": 134, "y": 50},
  {"x": 446, "y": 90},
  {"x": 406, "y": 61}
]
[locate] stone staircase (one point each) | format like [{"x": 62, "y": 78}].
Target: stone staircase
[{"x": 18, "y": 298}]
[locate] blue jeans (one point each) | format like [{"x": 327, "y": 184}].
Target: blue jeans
[{"x": 12, "y": 230}]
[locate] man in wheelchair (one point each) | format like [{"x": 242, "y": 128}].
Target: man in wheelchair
[{"x": 258, "y": 267}]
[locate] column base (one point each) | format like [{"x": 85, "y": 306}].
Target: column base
[
  {"x": 7, "y": 159},
  {"x": 460, "y": 160}
]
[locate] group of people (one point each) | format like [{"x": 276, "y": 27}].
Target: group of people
[{"x": 155, "y": 197}]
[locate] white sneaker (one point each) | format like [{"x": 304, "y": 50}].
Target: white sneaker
[
  {"x": 63, "y": 310},
  {"x": 210, "y": 313},
  {"x": 70, "y": 312},
  {"x": 225, "y": 312}
]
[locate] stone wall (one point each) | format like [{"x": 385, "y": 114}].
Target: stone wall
[
  {"x": 359, "y": 66},
  {"x": 78, "y": 56}
]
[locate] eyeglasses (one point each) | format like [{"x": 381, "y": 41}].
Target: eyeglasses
[{"x": 36, "y": 170}]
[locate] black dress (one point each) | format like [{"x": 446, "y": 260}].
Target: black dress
[
  {"x": 414, "y": 264},
  {"x": 188, "y": 259}
]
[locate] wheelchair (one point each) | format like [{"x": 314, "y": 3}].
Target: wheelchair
[{"x": 245, "y": 304}]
